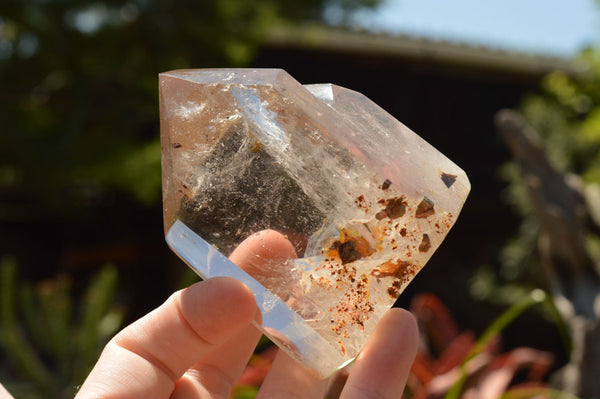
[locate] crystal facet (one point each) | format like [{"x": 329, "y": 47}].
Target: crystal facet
[{"x": 364, "y": 200}]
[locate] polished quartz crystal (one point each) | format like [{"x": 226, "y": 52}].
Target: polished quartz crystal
[{"x": 364, "y": 201}]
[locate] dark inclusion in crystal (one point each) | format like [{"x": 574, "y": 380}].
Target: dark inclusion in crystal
[
  {"x": 425, "y": 209},
  {"x": 244, "y": 190},
  {"x": 348, "y": 252},
  {"x": 396, "y": 207},
  {"x": 448, "y": 179}
]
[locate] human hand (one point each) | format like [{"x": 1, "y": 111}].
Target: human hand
[{"x": 197, "y": 344}]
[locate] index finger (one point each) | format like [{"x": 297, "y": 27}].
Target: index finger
[
  {"x": 147, "y": 357},
  {"x": 383, "y": 366}
]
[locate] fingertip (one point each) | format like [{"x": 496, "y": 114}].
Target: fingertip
[
  {"x": 266, "y": 257},
  {"x": 405, "y": 324},
  {"x": 382, "y": 367},
  {"x": 396, "y": 333},
  {"x": 266, "y": 244},
  {"x": 210, "y": 300},
  {"x": 405, "y": 330}
]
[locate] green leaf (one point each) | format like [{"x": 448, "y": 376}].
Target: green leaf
[
  {"x": 96, "y": 304},
  {"x": 245, "y": 392},
  {"x": 16, "y": 347}
]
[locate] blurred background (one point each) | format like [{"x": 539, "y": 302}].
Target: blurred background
[{"x": 82, "y": 248}]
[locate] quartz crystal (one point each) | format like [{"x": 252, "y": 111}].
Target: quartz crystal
[{"x": 364, "y": 200}]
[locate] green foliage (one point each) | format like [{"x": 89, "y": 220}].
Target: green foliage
[
  {"x": 245, "y": 392},
  {"x": 565, "y": 112},
  {"x": 50, "y": 341},
  {"x": 79, "y": 94}
]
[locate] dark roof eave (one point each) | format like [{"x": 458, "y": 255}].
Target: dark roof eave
[{"x": 419, "y": 49}]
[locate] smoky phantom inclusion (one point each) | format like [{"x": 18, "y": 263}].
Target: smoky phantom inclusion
[
  {"x": 241, "y": 177},
  {"x": 364, "y": 200}
]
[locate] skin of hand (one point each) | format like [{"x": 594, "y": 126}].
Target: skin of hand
[{"x": 197, "y": 344}]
